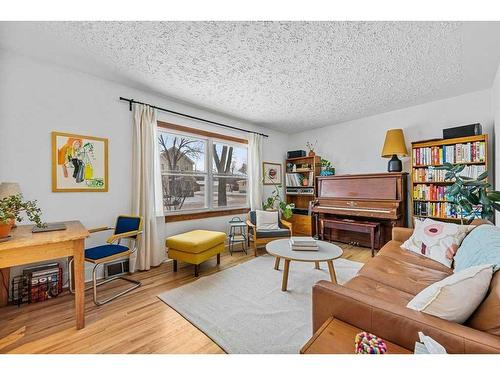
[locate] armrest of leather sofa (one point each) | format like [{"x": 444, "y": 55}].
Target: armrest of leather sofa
[
  {"x": 401, "y": 234},
  {"x": 395, "y": 323}
]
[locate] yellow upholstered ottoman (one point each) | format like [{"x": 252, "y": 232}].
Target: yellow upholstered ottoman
[{"x": 195, "y": 247}]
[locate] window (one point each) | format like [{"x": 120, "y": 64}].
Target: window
[{"x": 201, "y": 171}]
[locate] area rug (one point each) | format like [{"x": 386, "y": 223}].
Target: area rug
[{"x": 243, "y": 309}]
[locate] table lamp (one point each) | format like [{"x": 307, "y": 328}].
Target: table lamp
[
  {"x": 394, "y": 146},
  {"x": 9, "y": 188}
]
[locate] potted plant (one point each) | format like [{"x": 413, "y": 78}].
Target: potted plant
[
  {"x": 275, "y": 202},
  {"x": 326, "y": 168},
  {"x": 11, "y": 208},
  {"x": 311, "y": 146},
  {"x": 470, "y": 195}
]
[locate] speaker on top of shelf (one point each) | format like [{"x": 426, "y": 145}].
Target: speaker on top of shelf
[
  {"x": 295, "y": 154},
  {"x": 463, "y": 131}
]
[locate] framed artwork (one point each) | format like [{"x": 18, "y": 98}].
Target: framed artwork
[
  {"x": 272, "y": 173},
  {"x": 79, "y": 163}
]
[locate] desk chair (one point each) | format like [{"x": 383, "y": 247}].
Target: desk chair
[{"x": 127, "y": 228}]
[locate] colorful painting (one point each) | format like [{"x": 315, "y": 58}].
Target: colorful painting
[
  {"x": 272, "y": 173},
  {"x": 79, "y": 163}
]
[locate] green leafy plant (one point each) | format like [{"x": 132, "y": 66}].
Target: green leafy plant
[
  {"x": 470, "y": 196},
  {"x": 327, "y": 168},
  {"x": 12, "y": 206},
  {"x": 325, "y": 164},
  {"x": 275, "y": 201}
]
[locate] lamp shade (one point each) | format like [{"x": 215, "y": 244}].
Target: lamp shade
[
  {"x": 9, "y": 188},
  {"x": 394, "y": 144}
]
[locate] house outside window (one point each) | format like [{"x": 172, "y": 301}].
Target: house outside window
[{"x": 200, "y": 172}]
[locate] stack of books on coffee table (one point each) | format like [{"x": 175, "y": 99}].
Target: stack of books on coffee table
[{"x": 303, "y": 244}]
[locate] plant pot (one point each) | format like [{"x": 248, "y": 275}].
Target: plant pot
[
  {"x": 305, "y": 182},
  {"x": 312, "y": 153},
  {"x": 5, "y": 228}
]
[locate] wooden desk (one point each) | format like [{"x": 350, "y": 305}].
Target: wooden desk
[
  {"x": 26, "y": 247},
  {"x": 337, "y": 337}
]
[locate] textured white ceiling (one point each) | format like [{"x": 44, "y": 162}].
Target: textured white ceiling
[{"x": 290, "y": 76}]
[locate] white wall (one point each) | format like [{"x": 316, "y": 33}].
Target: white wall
[
  {"x": 355, "y": 146},
  {"x": 495, "y": 106},
  {"x": 37, "y": 98}
]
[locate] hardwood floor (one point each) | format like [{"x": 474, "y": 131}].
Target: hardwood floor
[{"x": 135, "y": 323}]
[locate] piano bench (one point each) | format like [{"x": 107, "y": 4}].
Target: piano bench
[{"x": 369, "y": 227}]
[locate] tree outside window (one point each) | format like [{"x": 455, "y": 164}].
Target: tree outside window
[{"x": 189, "y": 185}]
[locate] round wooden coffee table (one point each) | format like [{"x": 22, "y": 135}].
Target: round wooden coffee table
[{"x": 281, "y": 249}]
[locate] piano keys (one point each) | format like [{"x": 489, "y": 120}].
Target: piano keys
[{"x": 376, "y": 197}]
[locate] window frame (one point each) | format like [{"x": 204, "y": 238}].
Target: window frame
[{"x": 209, "y": 137}]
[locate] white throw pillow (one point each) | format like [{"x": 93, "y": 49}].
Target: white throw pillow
[
  {"x": 437, "y": 240},
  {"x": 267, "y": 220},
  {"x": 456, "y": 297}
]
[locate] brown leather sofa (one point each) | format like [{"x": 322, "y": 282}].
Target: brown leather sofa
[{"x": 375, "y": 301}]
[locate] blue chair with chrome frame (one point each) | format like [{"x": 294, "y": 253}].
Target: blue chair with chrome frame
[{"x": 127, "y": 228}]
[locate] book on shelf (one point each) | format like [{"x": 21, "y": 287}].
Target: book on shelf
[
  {"x": 471, "y": 152},
  {"x": 431, "y": 174},
  {"x": 429, "y": 192},
  {"x": 444, "y": 210},
  {"x": 296, "y": 179}
]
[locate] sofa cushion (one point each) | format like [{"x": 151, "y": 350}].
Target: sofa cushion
[
  {"x": 104, "y": 251},
  {"x": 196, "y": 241},
  {"x": 273, "y": 233},
  {"x": 487, "y": 316},
  {"x": 196, "y": 258},
  {"x": 379, "y": 290},
  {"x": 267, "y": 220},
  {"x": 481, "y": 246},
  {"x": 456, "y": 297},
  {"x": 437, "y": 240},
  {"x": 402, "y": 275},
  {"x": 393, "y": 249}
]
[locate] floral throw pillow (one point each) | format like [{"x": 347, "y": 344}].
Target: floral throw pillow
[{"x": 437, "y": 240}]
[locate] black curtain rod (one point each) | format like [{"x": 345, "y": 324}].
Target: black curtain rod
[{"x": 130, "y": 101}]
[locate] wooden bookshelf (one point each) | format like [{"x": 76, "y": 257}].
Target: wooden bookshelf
[
  {"x": 428, "y": 185},
  {"x": 302, "y": 224}
]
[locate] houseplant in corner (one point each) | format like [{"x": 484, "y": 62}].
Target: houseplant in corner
[
  {"x": 469, "y": 195},
  {"x": 11, "y": 208},
  {"x": 275, "y": 201}
]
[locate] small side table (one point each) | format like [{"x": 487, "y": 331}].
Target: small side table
[
  {"x": 237, "y": 235},
  {"x": 337, "y": 337}
]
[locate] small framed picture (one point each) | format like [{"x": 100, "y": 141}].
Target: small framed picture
[
  {"x": 272, "y": 173},
  {"x": 79, "y": 163}
]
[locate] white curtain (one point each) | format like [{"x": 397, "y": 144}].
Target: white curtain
[
  {"x": 146, "y": 187},
  {"x": 255, "y": 171}
]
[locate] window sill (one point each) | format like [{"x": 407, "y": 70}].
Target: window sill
[{"x": 204, "y": 214}]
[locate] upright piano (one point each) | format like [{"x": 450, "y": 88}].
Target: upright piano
[{"x": 377, "y": 197}]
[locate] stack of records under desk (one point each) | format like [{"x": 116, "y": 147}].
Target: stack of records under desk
[{"x": 303, "y": 244}]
